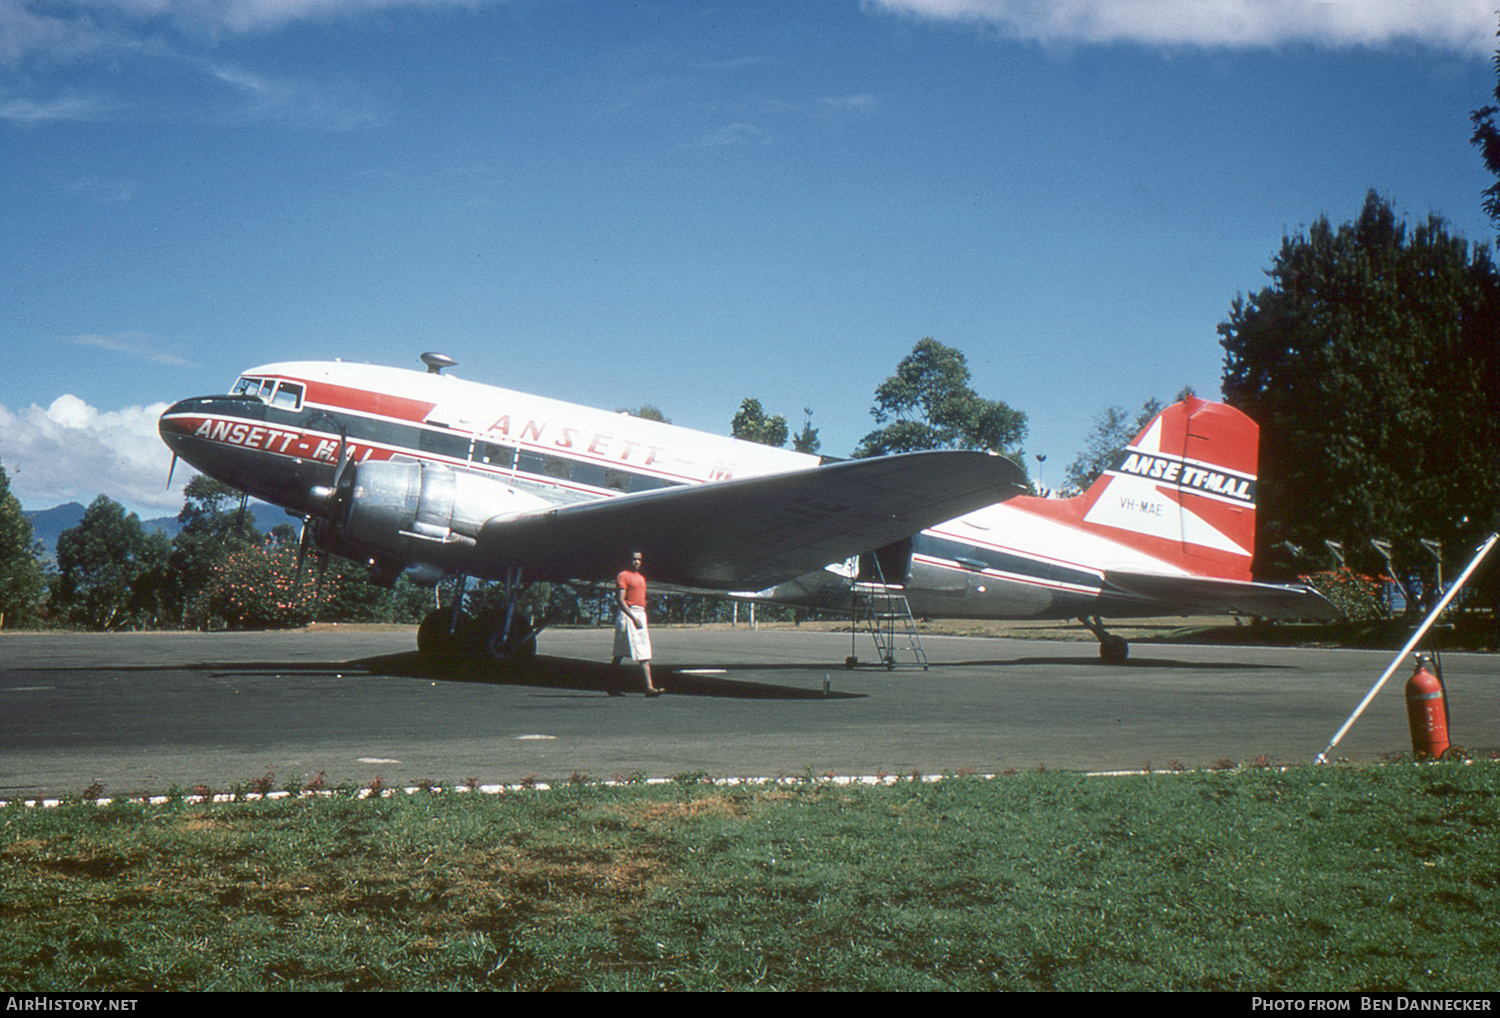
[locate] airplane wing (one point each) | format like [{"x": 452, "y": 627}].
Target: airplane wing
[
  {"x": 1195, "y": 593},
  {"x": 752, "y": 532}
]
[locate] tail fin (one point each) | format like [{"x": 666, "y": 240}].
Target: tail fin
[{"x": 1184, "y": 490}]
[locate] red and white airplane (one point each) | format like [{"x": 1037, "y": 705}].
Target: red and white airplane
[{"x": 439, "y": 476}]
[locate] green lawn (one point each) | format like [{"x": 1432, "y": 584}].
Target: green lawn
[{"x": 1308, "y": 879}]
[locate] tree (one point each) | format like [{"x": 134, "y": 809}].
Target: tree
[
  {"x": 929, "y": 405},
  {"x": 1486, "y": 138},
  {"x": 99, "y": 563},
  {"x": 807, "y": 439},
  {"x": 213, "y": 528},
  {"x": 1371, "y": 365},
  {"x": 1113, "y": 430},
  {"x": 646, "y": 411},
  {"x": 752, "y": 424},
  {"x": 22, "y": 583}
]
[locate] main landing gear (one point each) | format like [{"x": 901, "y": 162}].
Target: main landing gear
[
  {"x": 1112, "y": 649},
  {"x": 501, "y": 632}
]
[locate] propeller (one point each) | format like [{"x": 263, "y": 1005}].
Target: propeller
[{"x": 328, "y": 497}]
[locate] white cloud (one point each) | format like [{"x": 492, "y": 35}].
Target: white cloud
[
  {"x": 138, "y": 345},
  {"x": 741, "y": 133},
  {"x": 90, "y": 60},
  {"x": 1465, "y": 26},
  {"x": 73, "y": 452},
  {"x": 74, "y": 26}
]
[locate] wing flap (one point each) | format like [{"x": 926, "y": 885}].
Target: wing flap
[
  {"x": 751, "y": 532},
  {"x": 1241, "y": 597}
]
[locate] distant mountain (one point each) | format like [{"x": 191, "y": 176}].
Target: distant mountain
[{"x": 48, "y": 524}]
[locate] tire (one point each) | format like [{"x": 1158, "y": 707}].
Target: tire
[
  {"x": 1114, "y": 650},
  {"x": 434, "y": 639}
]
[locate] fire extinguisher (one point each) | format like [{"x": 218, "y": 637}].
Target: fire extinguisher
[{"x": 1426, "y": 711}]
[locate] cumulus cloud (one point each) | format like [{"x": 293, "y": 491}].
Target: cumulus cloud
[
  {"x": 1465, "y": 26},
  {"x": 73, "y": 452}
]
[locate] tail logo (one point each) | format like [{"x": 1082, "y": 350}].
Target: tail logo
[{"x": 1155, "y": 466}]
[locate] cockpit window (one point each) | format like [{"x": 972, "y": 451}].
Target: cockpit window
[{"x": 288, "y": 396}]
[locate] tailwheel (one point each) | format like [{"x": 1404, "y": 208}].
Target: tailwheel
[{"x": 1113, "y": 649}]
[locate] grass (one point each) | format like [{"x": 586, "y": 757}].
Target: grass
[{"x": 1304, "y": 879}]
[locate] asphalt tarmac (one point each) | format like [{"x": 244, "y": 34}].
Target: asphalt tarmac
[{"x": 142, "y": 713}]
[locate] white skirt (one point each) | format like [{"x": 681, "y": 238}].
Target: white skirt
[{"x": 632, "y": 641}]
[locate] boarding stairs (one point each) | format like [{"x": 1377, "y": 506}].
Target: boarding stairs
[{"x": 881, "y": 608}]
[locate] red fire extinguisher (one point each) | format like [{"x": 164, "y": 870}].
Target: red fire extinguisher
[{"x": 1426, "y": 711}]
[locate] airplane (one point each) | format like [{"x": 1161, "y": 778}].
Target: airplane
[
  {"x": 1167, "y": 529},
  {"x": 437, "y": 476}
]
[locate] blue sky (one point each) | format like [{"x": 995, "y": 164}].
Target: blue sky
[{"x": 682, "y": 203}]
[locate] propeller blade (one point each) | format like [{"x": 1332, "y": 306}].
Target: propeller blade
[
  {"x": 318, "y": 586},
  {"x": 302, "y": 541},
  {"x": 343, "y": 457}
]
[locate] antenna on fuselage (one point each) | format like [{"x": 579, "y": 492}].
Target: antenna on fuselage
[{"x": 436, "y": 362}]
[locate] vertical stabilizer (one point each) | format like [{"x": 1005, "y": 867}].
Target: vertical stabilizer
[{"x": 1184, "y": 490}]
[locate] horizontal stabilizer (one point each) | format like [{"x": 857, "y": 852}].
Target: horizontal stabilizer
[
  {"x": 1240, "y": 597},
  {"x": 751, "y": 532}
]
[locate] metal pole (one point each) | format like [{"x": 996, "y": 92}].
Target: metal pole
[{"x": 1410, "y": 644}]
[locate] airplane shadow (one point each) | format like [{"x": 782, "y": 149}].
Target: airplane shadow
[
  {"x": 1127, "y": 664},
  {"x": 598, "y": 677},
  {"x": 581, "y": 676},
  {"x": 571, "y": 674}
]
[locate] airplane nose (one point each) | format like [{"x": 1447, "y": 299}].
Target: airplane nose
[{"x": 171, "y": 424}]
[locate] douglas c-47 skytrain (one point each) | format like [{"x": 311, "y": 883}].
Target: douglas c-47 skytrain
[{"x": 438, "y": 476}]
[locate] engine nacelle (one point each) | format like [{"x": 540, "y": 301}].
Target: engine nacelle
[{"x": 424, "y": 513}]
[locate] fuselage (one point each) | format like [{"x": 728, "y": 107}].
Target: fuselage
[{"x": 279, "y": 433}]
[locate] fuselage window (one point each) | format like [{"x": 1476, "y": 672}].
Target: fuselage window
[
  {"x": 444, "y": 443},
  {"x": 530, "y": 462},
  {"x": 500, "y": 456}
]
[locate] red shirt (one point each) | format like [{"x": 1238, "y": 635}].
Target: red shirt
[{"x": 634, "y": 585}]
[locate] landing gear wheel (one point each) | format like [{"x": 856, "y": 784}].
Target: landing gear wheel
[
  {"x": 1114, "y": 649},
  {"x": 513, "y": 651},
  {"x": 438, "y": 639}
]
